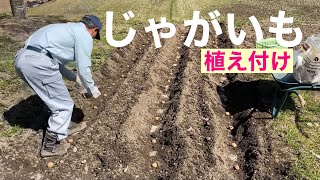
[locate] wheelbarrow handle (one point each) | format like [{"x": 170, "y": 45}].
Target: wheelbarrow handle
[{"x": 302, "y": 101}]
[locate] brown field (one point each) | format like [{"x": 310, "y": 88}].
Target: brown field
[
  {"x": 145, "y": 88},
  {"x": 4, "y": 6}
]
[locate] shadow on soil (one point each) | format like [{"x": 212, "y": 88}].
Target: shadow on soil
[
  {"x": 239, "y": 96},
  {"x": 34, "y": 114},
  {"x": 250, "y": 105}
]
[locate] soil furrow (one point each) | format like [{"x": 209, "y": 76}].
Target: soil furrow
[{"x": 172, "y": 150}]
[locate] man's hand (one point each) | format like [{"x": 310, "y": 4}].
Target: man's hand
[{"x": 95, "y": 93}]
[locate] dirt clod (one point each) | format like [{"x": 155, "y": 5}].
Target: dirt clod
[
  {"x": 153, "y": 129},
  {"x": 153, "y": 153},
  {"x": 160, "y": 111},
  {"x": 164, "y": 96}
]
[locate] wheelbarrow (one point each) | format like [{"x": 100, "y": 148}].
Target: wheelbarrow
[
  {"x": 285, "y": 81},
  {"x": 289, "y": 85}
]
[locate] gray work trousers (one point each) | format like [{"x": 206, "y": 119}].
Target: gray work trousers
[{"x": 42, "y": 74}]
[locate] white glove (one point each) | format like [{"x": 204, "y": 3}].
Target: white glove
[{"x": 95, "y": 92}]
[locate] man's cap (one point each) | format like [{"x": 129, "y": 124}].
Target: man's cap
[{"x": 96, "y": 21}]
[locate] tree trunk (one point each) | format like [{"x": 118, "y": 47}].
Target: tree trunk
[{"x": 18, "y": 9}]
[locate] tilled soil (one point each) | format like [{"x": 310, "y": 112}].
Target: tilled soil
[{"x": 162, "y": 90}]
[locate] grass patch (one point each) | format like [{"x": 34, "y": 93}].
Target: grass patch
[
  {"x": 8, "y": 49},
  {"x": 9, "y": 81},
  {"x": 11, "y": 131},
  {"x": 5, "y": 16},
  {"x": 302, "y": 134},
  {"x": 174, "y": 10}
]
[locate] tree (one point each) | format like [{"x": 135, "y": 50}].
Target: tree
[{"x": 18, "y": 9}]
